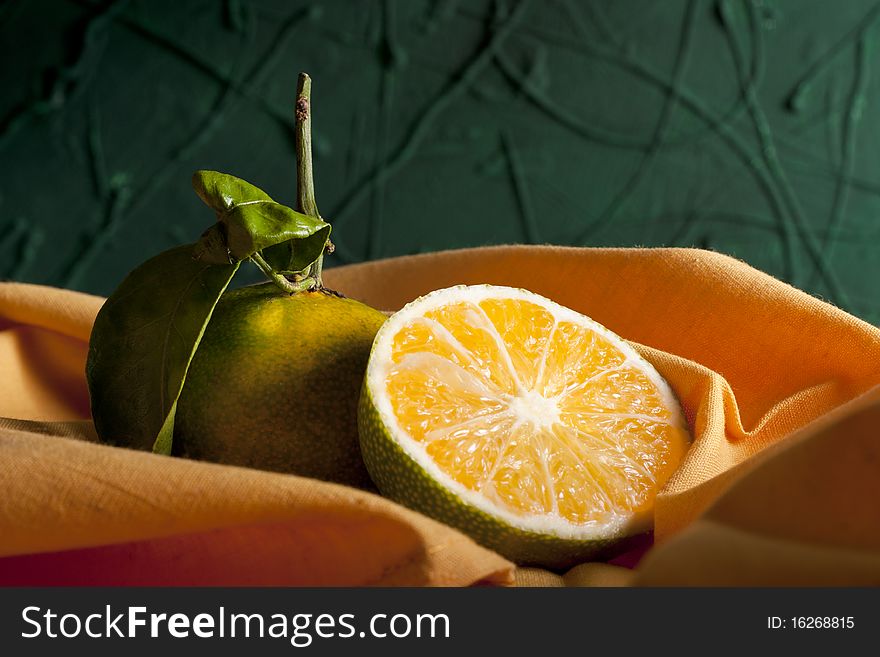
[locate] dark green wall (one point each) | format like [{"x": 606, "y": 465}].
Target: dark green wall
[{"x": 752, "y": 128}]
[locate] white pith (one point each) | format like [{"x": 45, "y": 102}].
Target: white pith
[
  {"x": 525, "y": 406},
  {"x": 532, "y": 407}
]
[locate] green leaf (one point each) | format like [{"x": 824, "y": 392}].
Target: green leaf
[
  {"x": 250, "y": 221},
  {"x": 211, "y": 247},
  {"x": 222, "y": 192},
  {"x": 142, "y": 343},
  {"x": 256, "y": 225},
  {"x": 296, "y": 255}
]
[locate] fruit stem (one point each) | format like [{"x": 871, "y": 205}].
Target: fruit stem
[
  {"x": 305, "y": 182},
  {"x": 278, "y": 279}
]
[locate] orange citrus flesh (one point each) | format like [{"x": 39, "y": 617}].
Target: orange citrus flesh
[{"x": 540, "y": 414}]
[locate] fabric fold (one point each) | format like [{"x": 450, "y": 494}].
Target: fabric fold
[{"x": 761, "y": 370}]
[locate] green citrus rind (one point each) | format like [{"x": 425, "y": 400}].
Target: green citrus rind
[{"x": 275, "y": 382}]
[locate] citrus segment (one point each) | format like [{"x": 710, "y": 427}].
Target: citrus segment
[{"x": 526, "y": 412}]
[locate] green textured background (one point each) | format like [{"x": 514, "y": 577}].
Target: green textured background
[{"x": 749, "y": 127}]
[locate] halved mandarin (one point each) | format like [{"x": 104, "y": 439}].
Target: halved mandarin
[{"x": 530, "y": 427}]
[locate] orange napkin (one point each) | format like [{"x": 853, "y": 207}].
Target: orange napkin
[{"x": 782, "y": 392}]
